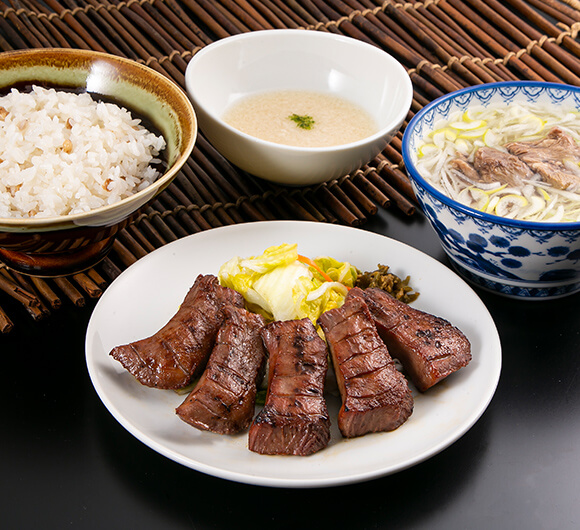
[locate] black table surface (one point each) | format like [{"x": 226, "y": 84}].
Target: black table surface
[{"x": 66, "y": 462}]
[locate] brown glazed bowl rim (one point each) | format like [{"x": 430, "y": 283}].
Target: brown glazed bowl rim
[{"x": 61, "y": 65}]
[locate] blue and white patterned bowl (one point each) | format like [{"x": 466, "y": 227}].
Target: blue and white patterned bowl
[{"x": 526, "y": 260}]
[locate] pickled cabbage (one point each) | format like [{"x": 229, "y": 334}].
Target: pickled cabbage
[{"x": 280, "y": 284}]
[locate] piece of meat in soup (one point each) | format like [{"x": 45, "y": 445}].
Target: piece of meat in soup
[
  {"x": 494, "y": 165},
  {"x": 552, "y": 157}
]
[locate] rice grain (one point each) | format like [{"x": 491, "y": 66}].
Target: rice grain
[{"x": 64, "y": 153}]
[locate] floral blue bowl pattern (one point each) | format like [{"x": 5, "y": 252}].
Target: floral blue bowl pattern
[{"x": 513, "y": 258}]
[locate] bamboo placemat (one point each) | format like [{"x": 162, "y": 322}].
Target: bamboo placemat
[{"x": 444, "y": 44}]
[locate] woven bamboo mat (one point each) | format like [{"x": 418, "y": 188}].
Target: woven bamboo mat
[{"x": 444, "y": 44}]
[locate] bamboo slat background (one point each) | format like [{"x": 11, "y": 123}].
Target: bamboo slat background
[{"x": 444, "y": 44}]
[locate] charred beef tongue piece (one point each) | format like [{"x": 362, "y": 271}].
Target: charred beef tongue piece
[
  {"x": 547, "y": 157},
  {"x": 375, "y": 395},
  {"x": 429, "y": 347},
  {"x": 494, "y": 165},
  {"x": 294, "y": 420},
  {"x": 172, "y": 356},
  {"x": 224, "y": 398}
]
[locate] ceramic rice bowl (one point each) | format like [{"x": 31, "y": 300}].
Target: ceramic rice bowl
[{"x": 66, "y": 244}]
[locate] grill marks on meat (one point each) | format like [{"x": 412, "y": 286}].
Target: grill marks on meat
[
  {"x": 294, "y": 420},
  {"x": 171, "y": 357},
  {"x": 375, "y": 395},
  {"x": 428, "y": 347},
  {"x": 224, "y": 398},
  {"x": 547, "y": 157},
  {"x": 363, "y": 336}
]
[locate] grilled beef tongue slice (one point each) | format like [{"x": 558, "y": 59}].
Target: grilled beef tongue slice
[
  {"x": 294, "y": 420},
  {"x": 223, "y": 400},
  {"x": 171, "y": 357},
  {"x": 429, "y": 347},
  {"x": 375, "y": 395}
]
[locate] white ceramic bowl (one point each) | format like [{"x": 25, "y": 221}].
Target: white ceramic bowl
[
  {"x": 270, "y": 60},
  {"x": 520, "y": 259}
]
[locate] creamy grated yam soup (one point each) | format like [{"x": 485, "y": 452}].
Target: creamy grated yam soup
[
  {"x": 301, "y": 118},
  {"x": 64, "y": 153}
]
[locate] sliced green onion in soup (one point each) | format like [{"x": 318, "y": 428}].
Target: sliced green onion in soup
[{"x": 474, "y": 198}]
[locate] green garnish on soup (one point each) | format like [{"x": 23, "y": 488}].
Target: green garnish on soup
[{"x": 304, "y": 122}]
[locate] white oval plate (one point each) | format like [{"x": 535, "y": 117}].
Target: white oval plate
[{"x": 145, "y": 296}]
